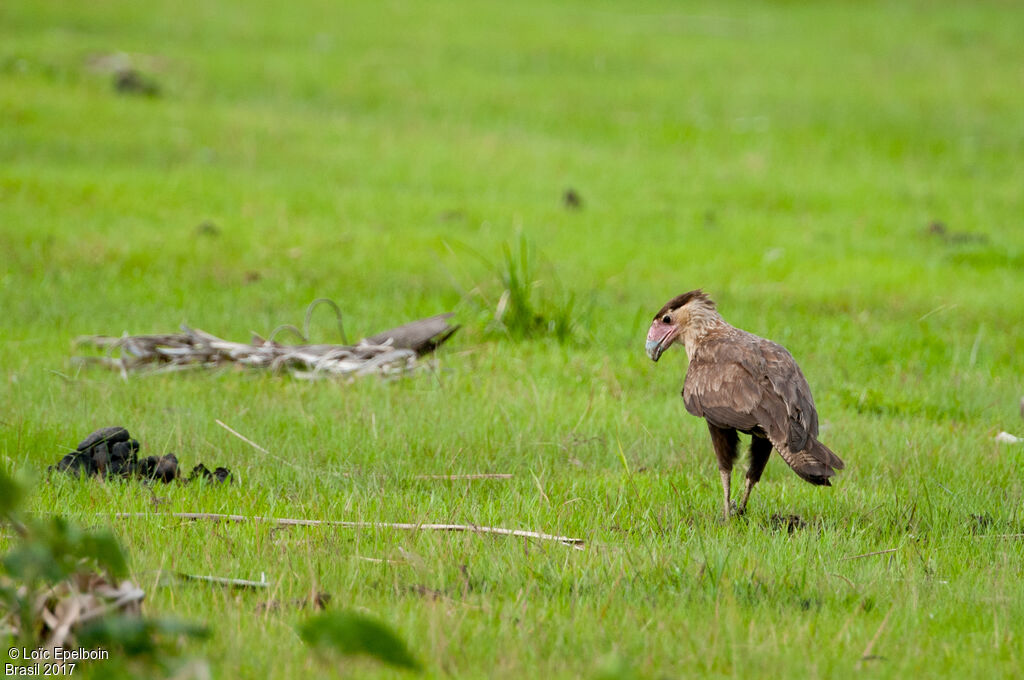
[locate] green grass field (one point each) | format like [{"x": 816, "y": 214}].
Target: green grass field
[{"x": 787, "y": 157}]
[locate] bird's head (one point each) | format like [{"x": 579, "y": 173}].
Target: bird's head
[{"x": 673, "y": 318}]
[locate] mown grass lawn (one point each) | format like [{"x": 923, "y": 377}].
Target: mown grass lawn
[{"x": 795, "y": 160}]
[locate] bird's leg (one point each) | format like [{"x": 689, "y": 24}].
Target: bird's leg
[
  {"x": 725, "y": 442},
  {"x": 727, "y": 504},
  {"x": 760, "y": 450}
]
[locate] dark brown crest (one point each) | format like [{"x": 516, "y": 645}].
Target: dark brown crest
[{"x": 680, "y": 300}]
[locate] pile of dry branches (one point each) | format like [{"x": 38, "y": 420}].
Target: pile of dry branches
[{"x": 391, "y": 352}]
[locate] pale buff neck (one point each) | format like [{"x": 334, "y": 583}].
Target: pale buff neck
[{"x": 701, "y": 318}]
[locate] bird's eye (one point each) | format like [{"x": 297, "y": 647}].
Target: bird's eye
[{"x": 666, "y": 319}]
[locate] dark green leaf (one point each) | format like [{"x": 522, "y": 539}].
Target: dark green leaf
[
  {"x": 104, "y": 548},
  {"x": 34, "y": 559},
  {"x": 615, "y": 667},
  {"x": 10, "y": 494},
  {"x": 135, "y": 635},
  {"x": 351, "y": 633}
]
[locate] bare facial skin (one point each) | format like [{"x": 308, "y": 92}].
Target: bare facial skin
[{"x": 661, "y": 334}]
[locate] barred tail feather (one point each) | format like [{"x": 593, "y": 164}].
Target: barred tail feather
[
  {"x": 825, "y": 455},
  {"x": 815, "y": 464}
]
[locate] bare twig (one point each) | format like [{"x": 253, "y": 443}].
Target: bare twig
[
  {"x": 999, "y": 536},
  {"x": 866, "y": 655},
  {"x": 481, "y": 475},
  {"x": 840, "y": 576},
  {"x": 255, "y": 445},
  {"x": 379, "y": 560},
  {"x": 405, "y": 526},
  {"x": 337, "y": 313},
  {"x": 233, "y": 582},
  {"x": 870, "y": 554},
  {"x": 242, "y": 437}
]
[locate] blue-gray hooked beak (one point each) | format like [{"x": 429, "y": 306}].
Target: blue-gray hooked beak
[
  {"x": 654, "y": 349},
  {"x": 659, "y": 338}
]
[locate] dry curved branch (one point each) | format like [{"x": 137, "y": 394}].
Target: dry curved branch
[{"x": 406, "y": 526}]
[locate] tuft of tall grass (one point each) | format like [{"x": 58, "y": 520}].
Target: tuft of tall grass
[{"x": 530, "y": 301}]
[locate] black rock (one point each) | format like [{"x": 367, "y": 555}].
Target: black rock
[
  {"x": 166, "y": 469},
  {"x": 111, "y": 452},
  {"x": 107, "y": 434},
  {"x": 790, "y": 523},
  {"x": 130, "y": 81},
  {"x": 220, "y": 475},
  {"x": 120, "y": 451},
  {"x": 76, "y": 463},
  {"x": 101, "y": 457},
  {"x": 123, "y": 459},
  {"x": 572, "y": 199},
  {"x": 200, "y": 472},
  {"x": 147, "y": 466}
]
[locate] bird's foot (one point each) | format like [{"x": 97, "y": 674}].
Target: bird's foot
[{"x": 731, "y": 511}]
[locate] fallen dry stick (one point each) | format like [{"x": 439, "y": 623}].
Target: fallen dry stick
[
  {"x": 220, "y": 580},
  {"x": 481, "y": 475},
  {"x": 1000, "y": 536},
  {"x": 255, "y": 445},
  {"x": 574, "y": 542},
  {"x": 866, "y": 655},
  {"x": 870, "y": 554}
]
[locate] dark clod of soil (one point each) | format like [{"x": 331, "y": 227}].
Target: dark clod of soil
[
  {"x": 980, "y": 523},
  {"x": 317, "y": 601},
  {"x": 938, "y": 229},
  {"x": 164, "y": 468},
  {"x": 451, "y": 215},
  {"x": 428, "y": 593},
  {"x": 131, "y": 82},
  {"x": 111, "y": 452},
  {"x": 571, "y": 199},
  {"x": 207, "y": 228},
  {"x": 790, "y": 523},
  {"x": 221, "y": 474},
  {"x": 107, "y": 434},
  {"x": 123, "y": 456}
]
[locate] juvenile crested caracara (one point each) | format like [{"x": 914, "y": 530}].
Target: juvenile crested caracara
[{"x": 740, "y": 382}]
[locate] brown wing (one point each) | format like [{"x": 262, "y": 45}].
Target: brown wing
[
  {"x": 789, "y": 383},
  {"x": 725, "y": 392},
  {"x": 738, "y": 380},
  {"x": 727, "y": 383}
]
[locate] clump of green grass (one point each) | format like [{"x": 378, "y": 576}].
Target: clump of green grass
[
  {"x": 524, "y": 299},
  {"x": 530, "y": 306}
]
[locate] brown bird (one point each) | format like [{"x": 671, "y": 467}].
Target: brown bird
[{"x": 738, "y": 381}]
